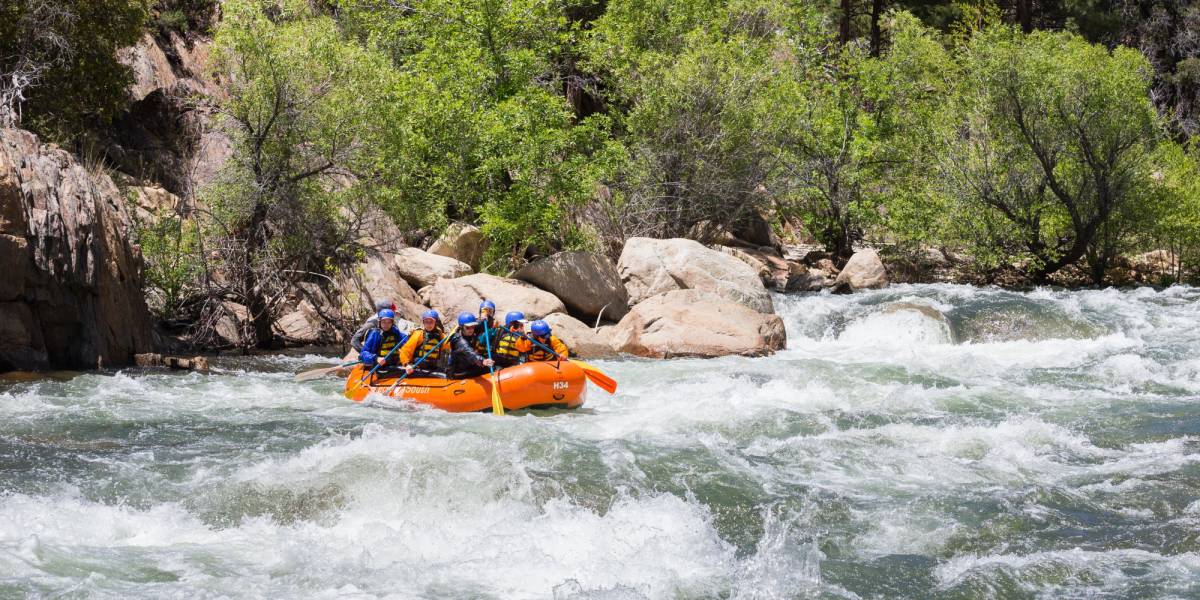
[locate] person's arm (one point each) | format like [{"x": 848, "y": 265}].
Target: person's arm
[
  {"x": 523, "y": 345},
  {"x": 559, "y": 347},
  {"x": 410, "y": 346},
  {"x": 370, "y": 347},
  {"x": 463, "y": 350}
]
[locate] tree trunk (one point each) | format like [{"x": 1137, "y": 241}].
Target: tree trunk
[
  {"x": 844, "y": 26},
  {"x": 876, "y": 37},
  {"x": 256, "y": 301},
  {"x": 1025, "y": 15}
]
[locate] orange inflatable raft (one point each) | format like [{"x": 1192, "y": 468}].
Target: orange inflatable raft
[{"x": 559, "y": 384}]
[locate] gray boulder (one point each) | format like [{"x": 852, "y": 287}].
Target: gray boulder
[
  {"x": 421, "y": 268},
  {"x": 452, "y": 296},
  {"x": 696, "y": 323},
  {"x": 587, "y": 283},
  {"x": 649, "y": 267},
  {"x": 864, "y": 271}
]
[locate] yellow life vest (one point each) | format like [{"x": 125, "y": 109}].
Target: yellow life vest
[
  {"x": 429, "y": 343},
  {"x": 538, "y": 353},
  {"x": 389, "y": 340},
  {"x": 507, "y": 346}
]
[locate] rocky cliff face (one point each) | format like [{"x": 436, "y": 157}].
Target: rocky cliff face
[{"x": 70, "y": 277}]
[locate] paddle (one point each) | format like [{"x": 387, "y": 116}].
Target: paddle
[
  {"x": 323, "y": 371},
  {"x": 593, "y": 374},
  {"x": 419, "y": 361},
  {"x": 380, "y": 364},
  {"x": 497, "y": 405}
]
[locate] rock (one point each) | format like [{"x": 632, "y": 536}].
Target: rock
[
  {"x": 151, "y": 201},
  {"x": 232, "y": 321},
  {"x": 583, "y": 341},
  {"x": 765, "y": 273},
  {"x": 462, "y": 242},
  {"x": 196, "y": 363},
  {"x": 376, "y": 280},
  {"x": 649, "y": 267},
  {"x": 696, "y": 323},
  {"x": 708, "y": 232},
  {"x": 72, "y": 293},
  {"x": 755, "y": 229},
  {"x": 169, "y": 133},
  {"x": 942, "y": 323},
  {"x": 301, "y": 325},
  {"x": 452, "y": 296},
  {"x": 587, "y": 283},
  {"x": 148, "y": 359},
  {"x": 863, "y": 271},
  {"x": 421, "y": 268}
]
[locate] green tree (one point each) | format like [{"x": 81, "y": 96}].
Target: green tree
[
  {"x": 303, "y": 112},
  {"x": 59, "y": 73},
  {"x": 1050, "y": 140}
]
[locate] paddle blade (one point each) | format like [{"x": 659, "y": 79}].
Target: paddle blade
[
  {"x": 317, "y": 373},
  {"x": 497, "y": 405},
  {"x": 597, "y": 377}
]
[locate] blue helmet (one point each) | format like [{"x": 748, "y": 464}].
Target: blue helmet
[
  {"x": 513, "y": 317},
  {"x": 467, "y": 319},
  {"x": 539, "y": 328},
  {"x": 387, "y": 313},
  {"x": 431, "y": 314},
  {"x": 487, "y": 304}
]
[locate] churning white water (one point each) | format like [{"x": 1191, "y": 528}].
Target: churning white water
[{"x": 921, "y": 441}]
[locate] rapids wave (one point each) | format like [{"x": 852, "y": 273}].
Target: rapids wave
[{"x": 920, "y": 441}]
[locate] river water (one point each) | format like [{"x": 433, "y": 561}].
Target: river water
[{"x": 917, "y": 442}]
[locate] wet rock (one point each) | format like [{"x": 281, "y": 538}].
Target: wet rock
[
  {"x": 421, "y": 268},
  {"x": 462, "y": 242},
  {"x": 587, "y": 283},
  {"x": 696, "y": 323},
  {"x": 863, "y": 271},
  {"x": 924, "y": 310},
  {"x": 649, "y": 267},
  {"x": 452, "y": 296},
  {"x": 583, "y": 341},
  {"x": 72, "y": 292},
  {"x": 196, "y": 363}
]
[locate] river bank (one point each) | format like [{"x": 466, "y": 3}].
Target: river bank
[{"x": 1033, "y": 443}]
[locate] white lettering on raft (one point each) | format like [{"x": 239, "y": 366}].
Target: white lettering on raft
[
  {"x": 561, "y": 385},
  {"x": 413, "y": 390}
]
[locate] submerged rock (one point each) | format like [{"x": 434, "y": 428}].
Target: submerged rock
[
  {"x": 696, "y": 323},
  {"x": 71, "y": 295},
  {"x": 587, "y": 283},
  {"x": 649, "y": 267}
]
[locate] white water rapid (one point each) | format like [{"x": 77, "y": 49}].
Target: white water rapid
[{"x": 916, "y": 442}]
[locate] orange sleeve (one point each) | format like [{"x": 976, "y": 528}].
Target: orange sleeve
[
  {"x": 410, "y": 346},
  {"x": 523, "y": 345},
  {"x": 559, "y": 347}
]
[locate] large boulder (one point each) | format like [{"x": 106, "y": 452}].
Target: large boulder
[
  {"x": 421, "y": 268},
  {"x": 377, "y": 279},
  {"x": 462, "y": 242},
  {"x": 583, "y": 341},
  {"x": 71, "y": 295},
  {"x": 587, "y": 283},
  {"x": 864, "y": 271},
  {"x": 696, "y": 323},
  {"x": 649, "y": 267},
  {"x": 452, "y": 296}
]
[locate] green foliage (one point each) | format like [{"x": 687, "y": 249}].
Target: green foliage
[
  {"x": 184, "y": 16},
  {"x": 67, "y": 49},
  {"x": 170, "y": 250},
  {"x": 1050, "y": 140}
]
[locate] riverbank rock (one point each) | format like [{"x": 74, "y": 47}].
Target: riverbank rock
[
  {"x": 864, "y": 271},
  {"x": 377, "y": 279},
  {"x": 421, "y": 268},
  {"x": 696, "y": 323},
  {"x": 71, "y": 295},
  {"x": 452, "y": 296},
  {"x": 462, "y": 242},
  {"x": 587, "y": 283},
  {"x": 649, "y": 267},
  {"x": 583, "y": 341}
]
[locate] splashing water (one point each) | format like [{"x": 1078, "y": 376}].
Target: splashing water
[{"x": 920, "y": 441}]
